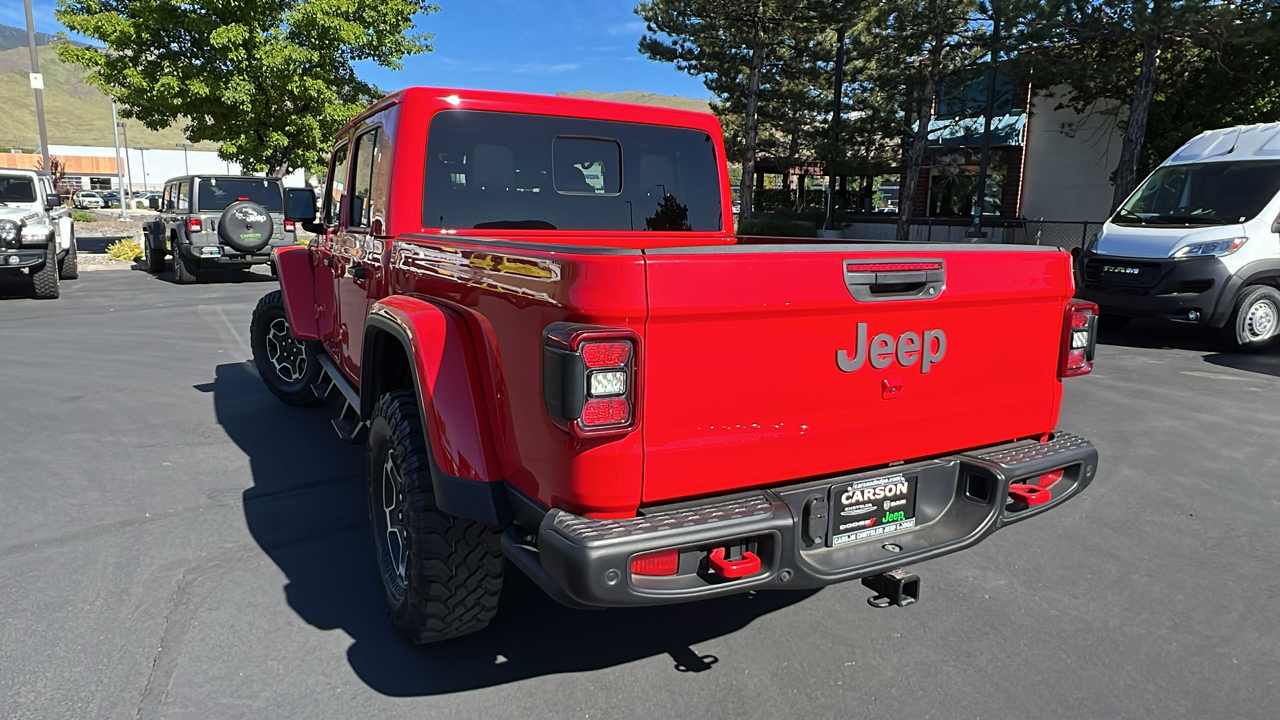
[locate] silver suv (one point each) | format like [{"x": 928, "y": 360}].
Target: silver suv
[
  {"x": 37, "y": 233},
  {"x": 216, "y": 221}
]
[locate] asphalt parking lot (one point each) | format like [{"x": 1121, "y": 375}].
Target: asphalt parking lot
[{"x": 176, "y": 543}]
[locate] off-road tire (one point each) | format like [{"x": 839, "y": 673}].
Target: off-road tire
[
  {"x": 152, "y": 257},
  {"x": 1255, "y": 322},
  {"x": 44, "y": 282},
  {"x": 453, "y": 569},
  {"x": 182, "y": 273},
  {"x": 69, "y": 266},
  {"x": 265, "y": 340}
]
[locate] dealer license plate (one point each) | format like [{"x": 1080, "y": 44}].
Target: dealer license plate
[{"x": 872, "y": 508}]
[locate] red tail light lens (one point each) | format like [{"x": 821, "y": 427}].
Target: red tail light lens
[
  {"x": 288, "y": 226},
  {"x": 1078, "y": 339},
  {"x": 659, "y": 563},
  {"x": 194, "y": 225},
  {"x": 603, "y": 412},
  {"x": 606, "y": 354}
]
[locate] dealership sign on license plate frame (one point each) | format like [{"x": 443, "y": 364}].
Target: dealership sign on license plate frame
[{"x": 872, "y": 508}]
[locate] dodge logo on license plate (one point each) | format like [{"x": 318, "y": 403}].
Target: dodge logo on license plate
[{"x": 870, "y": 508}]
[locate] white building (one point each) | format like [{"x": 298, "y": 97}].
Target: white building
[{"x": 144, "y": 169}]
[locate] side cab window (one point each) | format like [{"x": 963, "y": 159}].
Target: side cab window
[
  {"x": 364, "y": 166},
  {"x": 166, "y": 204},
  {"x": 184, "y": 196},
  {"x": 336, "y": 185}
]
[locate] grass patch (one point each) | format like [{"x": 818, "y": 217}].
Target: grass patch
[
  {"x": 82, "y": 216},
  {"x": 126, "y": 250}
]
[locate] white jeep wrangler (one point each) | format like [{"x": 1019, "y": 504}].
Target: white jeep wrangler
[{"x": 37, "y": 234}]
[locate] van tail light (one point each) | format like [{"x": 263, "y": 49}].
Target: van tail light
[
  {"x": 195, "y": 225},
  {"x": 288, "y": 226},
  {"x": 589, "y": 379},
  {"x": 1079, "y": 339},
  {"x": 659, "y": 563}
]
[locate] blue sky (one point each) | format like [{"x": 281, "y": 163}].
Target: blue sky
[{"x": 536, "y": 46}]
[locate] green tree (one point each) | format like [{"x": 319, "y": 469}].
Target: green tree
[
  {"x": 271, "y": 80},
  {"x": 740, "y": 48},
  {"x": 1114, "y": 54}
]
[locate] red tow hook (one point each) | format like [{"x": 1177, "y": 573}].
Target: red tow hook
[
  {"x": 1030, "y": 495},
  {"x": 749, "y": 564}
]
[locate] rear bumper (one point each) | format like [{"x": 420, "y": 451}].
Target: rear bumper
[
  {"x": 1168, "y": 288},
  {"x": 961, "y": 500}
]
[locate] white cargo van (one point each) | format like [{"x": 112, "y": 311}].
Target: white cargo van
[{"x": 1197, "y": 241}]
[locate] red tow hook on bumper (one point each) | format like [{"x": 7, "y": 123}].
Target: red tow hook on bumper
[
  {"x": 1030, "y": 495},
  {"x": 749, "y": 564}
]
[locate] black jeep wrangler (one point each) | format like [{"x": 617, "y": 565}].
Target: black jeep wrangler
[{"x": 216, "y": 221}]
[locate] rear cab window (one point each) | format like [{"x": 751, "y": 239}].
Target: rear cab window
[
  {"x": 215, "y": 194},
  {"x": 492, "y": 170}
]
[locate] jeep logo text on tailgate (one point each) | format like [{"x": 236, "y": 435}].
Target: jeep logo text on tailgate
[{"x": 907, "y": 349}]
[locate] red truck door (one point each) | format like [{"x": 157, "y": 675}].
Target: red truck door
[
  {"x": 357, "y": 249},
  {"x": 322, "y": 248}
]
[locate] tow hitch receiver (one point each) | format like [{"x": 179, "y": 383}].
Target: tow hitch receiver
[
  {"x": 896, "y": 587},
  {"x": 748, "y": 564}
]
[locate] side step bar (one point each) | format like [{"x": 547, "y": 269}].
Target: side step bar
[{"x": 348, "y": 425}]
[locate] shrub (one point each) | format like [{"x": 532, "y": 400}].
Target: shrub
[
  {"x": 82, "y": 216},
  {"x": 125, "y": 249},
  {"x": 303, "y": 241},
  {"x": 775, "y": 226}
]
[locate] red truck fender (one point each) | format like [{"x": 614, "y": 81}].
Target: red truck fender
[
  {"x": 412, "y": 343},
  {"x": 297, "y": 285}
]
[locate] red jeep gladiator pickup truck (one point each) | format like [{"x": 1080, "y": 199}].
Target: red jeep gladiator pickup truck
[{"x": 557, "y": 353}]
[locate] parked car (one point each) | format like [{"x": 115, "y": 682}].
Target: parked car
[
  {"x": 111, "y": 198},
  {"x": 216, "y": 221},
  {"x": 87, "y": 200},
  {"x": 1196, "y": 242},
  {"x": 37, "y": 233},
  {"x": 556, "y": 353}
]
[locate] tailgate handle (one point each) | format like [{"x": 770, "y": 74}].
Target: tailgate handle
[{"x": 876, "y": 280}]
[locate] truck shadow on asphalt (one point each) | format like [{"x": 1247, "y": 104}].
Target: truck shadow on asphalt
[
  {"x": 1154, "y": 334},
  {"x": 212, "y": 277},
  {"x": 307, "y": 511}
]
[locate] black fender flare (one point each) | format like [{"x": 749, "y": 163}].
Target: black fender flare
[{"x": 1254, "y": 273}]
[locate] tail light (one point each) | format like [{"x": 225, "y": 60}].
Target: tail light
[
  {"x": 195, "y": 225},
  {"x": 288, "y": 226},
  {"x": 1079, "y": 338},
  {"x": 658, "y": 563},
  {"x": 588, "y": 378}
]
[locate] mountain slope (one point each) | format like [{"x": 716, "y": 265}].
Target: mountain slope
[
  {"x": 637, "y": 97},
  {"x": 75, "y": 113}
]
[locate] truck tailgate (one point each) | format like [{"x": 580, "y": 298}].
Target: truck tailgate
[{"x": 743, "y": 387}]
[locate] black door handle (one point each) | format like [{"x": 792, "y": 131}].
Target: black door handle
[
  {"x": 357, "y": 272},
  {"x": 328, "y": 261}
]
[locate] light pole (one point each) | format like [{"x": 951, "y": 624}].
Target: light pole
[
  {"x": 124, "y": 206},
  {"x": 37, "y": 84},
  {"x": 185, "y": 165},
  {"x": 128, "y": 169},
  {"x": 142, "y": 155}
]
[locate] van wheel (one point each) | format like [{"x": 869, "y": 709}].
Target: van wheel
[
  {"x": 286, "y": 364},
  {"x": 441, "y": 575},
  {"x": 1255, "y": 322}
]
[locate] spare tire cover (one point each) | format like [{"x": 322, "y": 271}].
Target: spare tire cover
[{"x": 245, "y": 226}]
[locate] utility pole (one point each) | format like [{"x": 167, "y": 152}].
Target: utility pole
[
  {"x": 37, "y": 84},
  {"x": 115, "y": 127},
  {"x": 185, "y": 165},
  {"x": 980, "y": 194}
]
